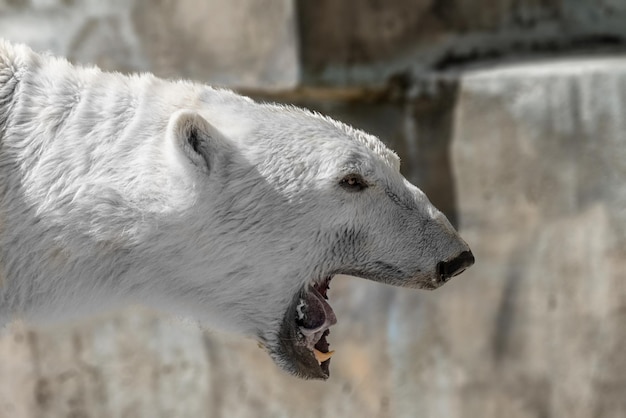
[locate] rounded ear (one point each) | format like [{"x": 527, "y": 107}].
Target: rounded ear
[{"x": 196, "y": 138}]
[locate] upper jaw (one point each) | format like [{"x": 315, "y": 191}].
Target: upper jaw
[
  {"x": 300, "y": 346},
  {"x": 400, "y": 279},
  {"x": 293, "y": 348}
]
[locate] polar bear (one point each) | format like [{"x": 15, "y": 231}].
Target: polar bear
[{"x": 201, "y": 202}]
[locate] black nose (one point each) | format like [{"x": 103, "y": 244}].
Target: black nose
[{"x": 456, "y": 266}]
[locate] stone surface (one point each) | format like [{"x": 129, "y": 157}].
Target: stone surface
[
  {"x": 126, "y": 366},
  {"x": 137, "y": 363},
  {"x": 277, "y": 44},
  {"x": 364, "y": 43},
  {"x": 240, "y": 42},
  {"x": 535, "y": 328}
]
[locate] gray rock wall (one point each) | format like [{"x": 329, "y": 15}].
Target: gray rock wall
[
  {"x": 238, "y": 42},
  {"x": 356, "y": 42},
  {"x": 528, "y": 159},
  {"x": 536, "y": 328},
  {"x": 279, "y": 44}
]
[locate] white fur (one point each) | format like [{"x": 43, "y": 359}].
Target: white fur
[{"x": 103, "y": 201}]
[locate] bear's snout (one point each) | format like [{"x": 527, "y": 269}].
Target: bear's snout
[{"x": 455, "y": 266}]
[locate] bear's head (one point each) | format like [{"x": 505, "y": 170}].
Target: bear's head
[{"x": 281, "y": 201}]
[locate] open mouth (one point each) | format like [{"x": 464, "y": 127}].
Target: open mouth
[
  {"x": 303, "y": 348},
  {"x": 314, "y": 317}
]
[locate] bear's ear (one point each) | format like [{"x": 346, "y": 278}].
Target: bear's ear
[{"x": 196, "y": 138}]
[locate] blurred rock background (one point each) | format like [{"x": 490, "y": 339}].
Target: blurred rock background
[{"x": 509, "y": 114}]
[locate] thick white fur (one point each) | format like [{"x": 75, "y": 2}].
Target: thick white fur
[{"x": 103, "y": 201}]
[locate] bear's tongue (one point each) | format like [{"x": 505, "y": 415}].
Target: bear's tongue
[{"x": 315, "y": 316}]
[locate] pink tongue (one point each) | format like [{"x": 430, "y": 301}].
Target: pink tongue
[{"x": 318, "y": 314}]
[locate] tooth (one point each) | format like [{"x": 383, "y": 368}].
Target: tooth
[{"x": 322, "y": 357}]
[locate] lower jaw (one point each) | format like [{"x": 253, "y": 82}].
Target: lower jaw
[{"x": 303, "y": 348}]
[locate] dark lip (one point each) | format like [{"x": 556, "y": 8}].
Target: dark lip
[{"x": 400, "y": 279}]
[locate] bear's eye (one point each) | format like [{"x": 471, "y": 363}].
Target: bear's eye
[{"x": 353, "y": 183}]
